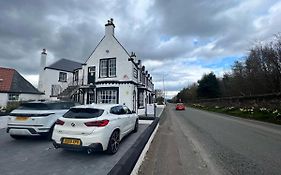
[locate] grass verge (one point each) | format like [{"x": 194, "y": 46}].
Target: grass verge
[{"x": 254, "y": 113}]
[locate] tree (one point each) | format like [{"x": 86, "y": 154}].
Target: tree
[{"x": 208, "y": 86}]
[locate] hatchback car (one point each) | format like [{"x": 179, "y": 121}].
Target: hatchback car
[
  {"x": 36, "y": 118},
  {"x": 94, "y": 127},
  {"x": 180, "y": 106}
]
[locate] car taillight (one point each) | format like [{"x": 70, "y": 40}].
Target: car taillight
[
  {"x": 99, "y": 123},
  {"x": 59, "y": 122}
]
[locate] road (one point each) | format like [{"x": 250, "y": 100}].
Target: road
[
  {"x": 37, "y": 156},
  {"x": 200, "y": 142}
]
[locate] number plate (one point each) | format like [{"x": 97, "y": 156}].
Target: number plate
[
  {"x": 71, "y": 141},
  {"x": 21, "y": 118}
]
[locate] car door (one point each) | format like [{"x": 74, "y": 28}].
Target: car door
[
  {"x": 121, "y": 119},
  {"x": 130, "y": 118}
]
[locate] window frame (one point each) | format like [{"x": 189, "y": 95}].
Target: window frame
[
  {"x": 99, "y": 99},
  {"x": 135, "y": 73},
  {"x": 12, "y": 95},
  {"x": 64, "y": 75},
  {"x": 141, "y": 100},
  {"x": 106, "y": 71}
]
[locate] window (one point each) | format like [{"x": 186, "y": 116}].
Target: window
[
  {"x": 112, "y": 67},
  {"x": 83, "y": 113},
  {"x": 75, "y": 76},
  {"x": 13, "y": 97},
  {"x": 141, "y": 99},
  {"x": 108, "y": 67},
  {"x": 107, "y": 96},
  {"x": 55, "y": 90},
  {"x": 135, "y": 73},
  {"x": 118, "y": 110},
  {"x": 62, "y": 77}
]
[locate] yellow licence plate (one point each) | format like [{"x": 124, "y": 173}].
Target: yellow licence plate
[
  {"x": 71, "y": 141},
  {"x": 21, "y": 118}
]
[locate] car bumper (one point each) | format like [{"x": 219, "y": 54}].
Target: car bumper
[
  {"x": 87, "y": 141},
  {"x": 93, "y": 146},
  {"x": 27, "y": 130}
]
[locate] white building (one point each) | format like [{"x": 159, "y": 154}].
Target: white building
[
  {"x": 109, "y": 75},
  {"x": 13, "y": 87}
]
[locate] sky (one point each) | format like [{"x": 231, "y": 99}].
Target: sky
[{"x": 177, "y": 40}]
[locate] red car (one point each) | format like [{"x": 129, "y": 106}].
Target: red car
[{"x": 180, "y": 106}]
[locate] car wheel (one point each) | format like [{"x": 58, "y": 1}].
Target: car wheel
[
  {"x": 16, "y": 136},
  {"x": 50, "y": 133},
  {"x": 114, "y": 142},
  {"x": 136, "y": 126}
]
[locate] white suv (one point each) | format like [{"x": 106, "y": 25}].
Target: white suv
[
  {"x": 94, "y": 127},
  {"x": 36, "y": 118}
]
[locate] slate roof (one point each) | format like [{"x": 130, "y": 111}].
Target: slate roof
[
  {"x": 12, "y": 82},
  {"x": 65, "y": 65}
]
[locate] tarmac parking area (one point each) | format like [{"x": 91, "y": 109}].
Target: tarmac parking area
[{"x": 38, "y": 156}]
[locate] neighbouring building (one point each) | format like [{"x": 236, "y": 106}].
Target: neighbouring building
[
  {"x": 109, "y": 75},
  {"x": 13, "y": 87}
]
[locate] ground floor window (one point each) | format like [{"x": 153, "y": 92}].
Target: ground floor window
[
  {"x": 55, "y": 90},
  {"x": 141, "y": 99},
  {"x": 107, "y": 96},
  {"x": 13, "y": 97}
]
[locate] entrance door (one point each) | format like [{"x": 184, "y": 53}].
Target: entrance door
[{"x": 91, "y": 75}]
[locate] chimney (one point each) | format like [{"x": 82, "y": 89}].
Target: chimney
[
  {"x": 109, "y": 28},
  {"x": 43, "y": 58},
  {"x": 41, "y": 71}
]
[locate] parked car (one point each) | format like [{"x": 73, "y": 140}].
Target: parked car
[
  {"x": 94, "y": 127},
  {"x": 180, "y": 106},
  {"x": 36, "y": 118}
]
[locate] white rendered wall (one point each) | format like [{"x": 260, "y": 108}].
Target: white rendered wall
[
  {"x": 51, "y": 77},
  {"x": 124, "y": 67},
  {"x": 26, "y": 97}
]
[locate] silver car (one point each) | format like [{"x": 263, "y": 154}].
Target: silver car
[{"x": 36, "y": 118}]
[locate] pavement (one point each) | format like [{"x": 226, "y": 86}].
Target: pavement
[
  {"x": 3, "y": 121},
  {"x": 200, "y": 142}
]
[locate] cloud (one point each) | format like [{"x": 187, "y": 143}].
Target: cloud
[{"x": 178, "y": 39}]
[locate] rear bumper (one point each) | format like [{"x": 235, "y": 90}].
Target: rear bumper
[
  {"x": 93, "y": 146},
  {"x": 87, "y": 141},
  {"x": 28, "y": 131}
]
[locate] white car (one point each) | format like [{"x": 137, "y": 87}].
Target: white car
[
  {"x": 94, "y": 127},
  {"x": 36, "y": 118}
]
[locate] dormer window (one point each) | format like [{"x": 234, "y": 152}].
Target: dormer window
[{"x": 108, "y": 67}]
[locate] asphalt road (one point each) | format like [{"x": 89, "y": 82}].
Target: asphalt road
[
  {"x": 37, "y": 156},
  {"x": 200, "y": 142}
]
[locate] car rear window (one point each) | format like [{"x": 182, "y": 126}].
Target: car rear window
[
  {"x": 46, "y": 106},
  {"x": 34, "y": 106},
  {"x": 83, "y": 113}
]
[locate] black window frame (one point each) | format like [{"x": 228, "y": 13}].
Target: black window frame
[
  {"x": 60, "y": 77},
  {"x": 107, "y": 67},
  {"x": 135, "y": 73}
]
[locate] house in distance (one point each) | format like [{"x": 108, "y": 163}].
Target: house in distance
[{"x": 109, "y": 75}]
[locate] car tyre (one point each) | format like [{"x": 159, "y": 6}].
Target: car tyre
[
  {"x": 50, "y": 133},
  {"x": 136, "y": 126},
  {"x": 114, "y": 142}
]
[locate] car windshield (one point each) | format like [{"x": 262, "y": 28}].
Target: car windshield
[
  {"x": 83, "y": 113},
  {"x": 46, "y": 106}
]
